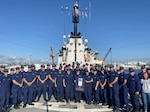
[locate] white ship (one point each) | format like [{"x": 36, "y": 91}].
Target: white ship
[{"x": 76, "y": 50}]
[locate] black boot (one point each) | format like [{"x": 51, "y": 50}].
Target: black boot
[
  {"x": 16, "y": 107},
  {"x": 24, "y": 106}
]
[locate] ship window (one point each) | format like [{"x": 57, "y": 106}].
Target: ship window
[
  {"x": 79, "y": 44},
  {"x": 71, "y": 44}
]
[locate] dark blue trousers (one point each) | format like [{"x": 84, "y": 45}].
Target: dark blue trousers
[
  {"x": 42, "y": 90},
  {"x": 88, "y": 93},
  {"x": 135, "y": 101},
  {"x": 60, "y": 92},
  {"x": 78, "y": 95},
  {"x": 123, "y": 95},
  {"x": 28, "y": 94},
  {"x": 103, "y": 95},
  {"x": 96, "y": 94},
  {"x": 17, "y": 94},
  {"x": 114, "y": 96},
  {"x": 69, "y": 93},
  {"x": 2, "y": 98}
]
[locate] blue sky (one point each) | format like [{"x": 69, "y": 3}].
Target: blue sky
[{"x": 32, "y": 26}]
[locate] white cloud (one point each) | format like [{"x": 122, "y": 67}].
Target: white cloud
[{"x": 14, "y": 59}]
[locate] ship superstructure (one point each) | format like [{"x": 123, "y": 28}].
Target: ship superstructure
[{"x": 76, "y": 50}]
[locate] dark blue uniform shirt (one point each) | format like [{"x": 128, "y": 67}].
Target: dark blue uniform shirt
[
  {"x": 122, "y": 77},
  {"x": 112, "y": 76},
  {"x": 53, "y": 73},
  {"x": 29, "y": 76},
  {"x": 59, "y": 79},
  {"x": 88, "y": 78},
  {"x": 5, "y": 82},
  {"x": 95, "y": 79},
  {"x": 42, "y": 74},
  {"x": 141, "y": 75},
  {"x": 69, "y": 79},
  {"x": 17, "y": 77},
  {"x": 102, "y": 78},
  {"x": 134, "y": 84}
]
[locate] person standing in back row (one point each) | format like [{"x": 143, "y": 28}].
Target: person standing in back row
[
  {"x": 42, "y": 77},
  {"x": 29, "y": 79},
  {"x": 114, "y": 88},
  {"x": 134, "y": 90},
  {"x": 88, "y": 87},
  {"x": 68, "y": 83},
  {"x": 17, "y": 88},
  {"x": 123, "y": 90}
]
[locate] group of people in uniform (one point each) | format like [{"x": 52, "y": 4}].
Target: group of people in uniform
[{"x": 117, "y": 89}]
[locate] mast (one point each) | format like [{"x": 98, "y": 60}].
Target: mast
[{"x": 75, "y": 20}]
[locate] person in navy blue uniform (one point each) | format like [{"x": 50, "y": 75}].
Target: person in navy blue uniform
[
  {"x": 123, "y": 92},
  {"x": 88, "y": 87},
  {"x": 42, "y": 77},
  {"x": 12, "y": 71},
  {"x": 17, "y": 88},
  {"x": 134, "y": 86},
  {"x": 103, "y": 83},
  {"x": 114, "y": 88},
  {"x": 36, "y": 83},
  {"x": 1, "y": 92},
  {"x": 68, "y": 83},
  {"x": 143, "y": 70},
  {"x": 28, "y": 78},
  {"x": 95, "y": 86},
  {"x": 49, "y": 86},
  {"x": 77, "y": 93},
  {"x": 52, "y": 76},
  {"x": 59, "y": 85},
  {"x": 5, "y": 81},
  {"x": 2, "y": 68}
]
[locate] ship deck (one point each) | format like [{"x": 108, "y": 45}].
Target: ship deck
[{"x": 54, "y": 106}]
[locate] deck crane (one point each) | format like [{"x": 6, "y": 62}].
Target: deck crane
[{"x": 107, "y": 54}]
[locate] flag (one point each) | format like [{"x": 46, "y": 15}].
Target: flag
[{"x": 77, "y": 11}]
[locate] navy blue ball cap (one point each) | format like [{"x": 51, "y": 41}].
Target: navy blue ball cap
[
  {"x": 131, "y": 70},
  {"x": 78, "y": 64},
  {"x": 6, "y": 70},
  {"x": 148, "y": 68},
  {"x": 22, "y": 66},
  {"x": 43, "y": 66},
  {"x": 17, "y": 68},
  {"x": 121, "y": 68},
  {"x": 48, "y": 64},
  {"x": 111, "y": 66},
  {"x": 54, "y": 65},
  {"x": 118, "y": 70},
  {"x": 2, "y": 66},
  {"x": 106, "y": 66},
  {"x": 60, "y": 68},
  {"x": 32, "y": 65},
  {"x": 86, "y": 64},
  {"x": 12, "y": 69},
  {"x": 143, "y": 67},
  {"x": 29, "y": 66}
]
